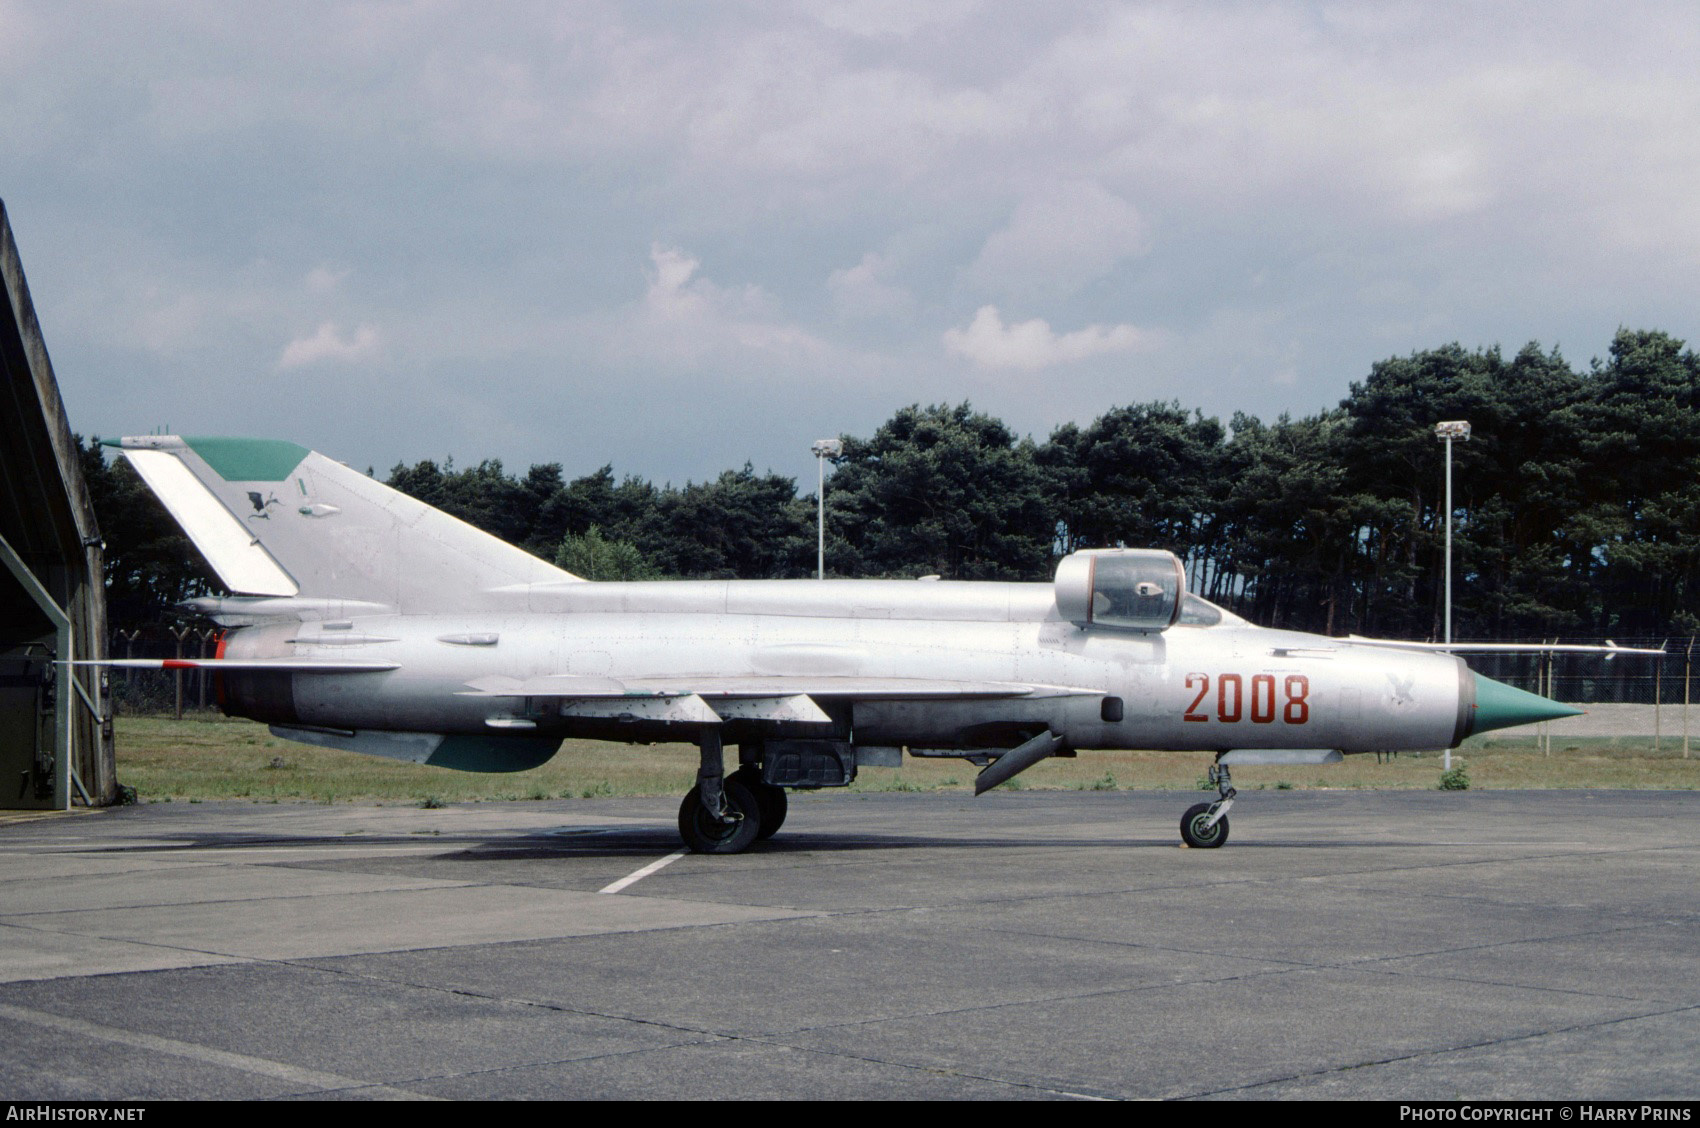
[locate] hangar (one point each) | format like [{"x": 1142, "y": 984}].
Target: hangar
[{"x": 55, "y": 720}]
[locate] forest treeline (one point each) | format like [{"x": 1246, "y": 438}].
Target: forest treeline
[{"x": 1576, "y": 504}]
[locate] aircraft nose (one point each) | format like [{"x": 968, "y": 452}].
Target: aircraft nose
[{"x": 1500, "y": 706}]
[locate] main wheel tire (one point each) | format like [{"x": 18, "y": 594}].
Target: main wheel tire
[
  {"x": 774, "y": 803},
  {"x": 1194, "y": 833},
  {"x": 705, "y": 834},
  {"x": 770, "y": 799}
]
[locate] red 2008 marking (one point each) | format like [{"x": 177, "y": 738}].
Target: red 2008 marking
[
  {"x": 1231, "y": 702},
  {"x": 1262, "y": 698},
  {"x": 1298, "y": 705},
  {"x": 1202, "y": 681}
]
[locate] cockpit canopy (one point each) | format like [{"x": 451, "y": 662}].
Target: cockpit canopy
[{"x": 1130, "y": 589}]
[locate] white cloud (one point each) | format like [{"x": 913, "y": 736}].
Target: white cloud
[
  {"x": 686, "y": 318},
  {"x": 1060, "y": 238},
  {"x": 1031, "y": 345},
  {"x": 861, "y": 290},
  {"x": 668, "y": 296},
  {"x": 327, "y": 345},
  {"x": 677, "y": 296}
]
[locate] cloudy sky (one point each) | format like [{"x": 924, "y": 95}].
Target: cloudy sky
[{"x": 679, "y": 237}]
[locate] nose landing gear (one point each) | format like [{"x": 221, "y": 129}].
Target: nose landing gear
[{"x": 1205, "y": 825}]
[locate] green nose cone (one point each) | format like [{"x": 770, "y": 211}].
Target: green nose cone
[{"x": 1500, "y": 706}]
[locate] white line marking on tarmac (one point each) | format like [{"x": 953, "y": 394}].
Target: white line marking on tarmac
[
  {"x": 264, "y": 1067},
  {"x": 639, "y": 875}
]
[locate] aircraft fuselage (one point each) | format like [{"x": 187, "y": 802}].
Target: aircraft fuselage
[{"x": 1192, "y": 687}]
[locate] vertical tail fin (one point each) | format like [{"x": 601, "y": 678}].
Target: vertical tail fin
[{"x": 276, "y": 519}]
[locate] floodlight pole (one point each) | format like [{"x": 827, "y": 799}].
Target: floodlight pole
[
  {"x": 824, "y": 449},
  {"x": 1448, "y": 634},
  {"x": 1446, "y": 432}
]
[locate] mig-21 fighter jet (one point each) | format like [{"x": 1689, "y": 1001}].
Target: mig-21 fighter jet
[{"x": 365, "y": 620}]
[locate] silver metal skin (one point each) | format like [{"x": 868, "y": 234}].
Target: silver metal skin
[
  {"x": 910, "y": 676},
  {"x": 384, "y": 626}
]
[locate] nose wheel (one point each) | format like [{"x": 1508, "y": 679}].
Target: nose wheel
[{"x": 1205, "y": 825}]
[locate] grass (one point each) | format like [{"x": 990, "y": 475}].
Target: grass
[{"x": 215, "y": 757}]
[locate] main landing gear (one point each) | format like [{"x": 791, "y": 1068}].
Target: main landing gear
[
  {"x": 771, "y": 801},
  {"x": 727, "y": 814},
  {"x": 1205, "y": 825},
  {"x": 730, "y": 829}
]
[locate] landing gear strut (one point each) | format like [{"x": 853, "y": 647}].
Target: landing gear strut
[
  {"x": 719, "y": 815},
  {"x": 1205, "y": 825}
]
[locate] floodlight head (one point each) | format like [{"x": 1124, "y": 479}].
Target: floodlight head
[
  {"x": 828, "y": 448},
  {"x": 1453, "y": 429}
]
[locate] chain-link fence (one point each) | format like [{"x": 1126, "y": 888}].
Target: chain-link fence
[{"x": 164, "y": 691}]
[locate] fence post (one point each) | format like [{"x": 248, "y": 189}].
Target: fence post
[
  {"x": 177, "y": 674},
  {"x": 1687, "y": 664},
  {"x": 1549, "y": 682},
  {"x": 207, "y": 636},
  {"x": 129, "y": 638},
  {"x": 1658, "y": 701}
]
